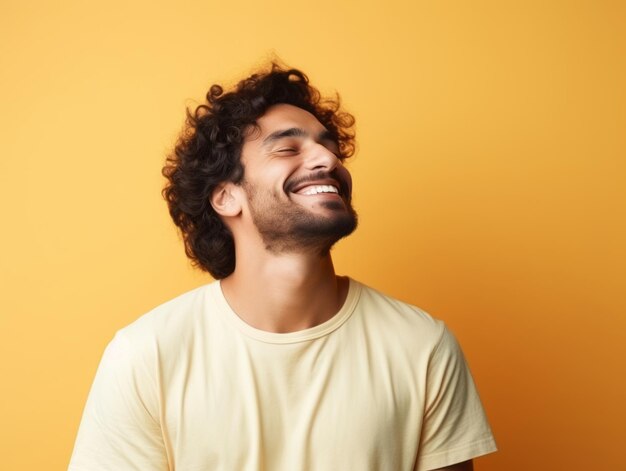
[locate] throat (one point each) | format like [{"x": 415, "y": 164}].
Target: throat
[{"x": 285, "y": 303}]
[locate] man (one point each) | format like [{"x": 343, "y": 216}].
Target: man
[{"x": 280, "y": 364}]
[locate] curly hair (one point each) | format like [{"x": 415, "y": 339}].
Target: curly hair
[{"x": 208, "y": 152}]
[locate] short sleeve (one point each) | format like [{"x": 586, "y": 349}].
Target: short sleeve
[
  {"x": 455, "y": 428},
  {"x": 120, "y": 427}
]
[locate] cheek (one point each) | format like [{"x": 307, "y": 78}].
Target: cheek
[{"x": 345, "y": 176}]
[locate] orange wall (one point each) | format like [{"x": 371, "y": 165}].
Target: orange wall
[{"x": 490, "y": 181}]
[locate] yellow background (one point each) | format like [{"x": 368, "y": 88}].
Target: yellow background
[{"x": 490, "y": 181}]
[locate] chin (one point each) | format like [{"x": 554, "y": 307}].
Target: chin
[
  {"x": 309, "y": 232},
  {"x": 325, "y": 232}
]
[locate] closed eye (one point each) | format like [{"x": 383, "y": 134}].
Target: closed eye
[{"x": 286, "y": 150}]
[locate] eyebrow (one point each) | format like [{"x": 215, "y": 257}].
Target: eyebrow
[{"x": 325, "y": 135}]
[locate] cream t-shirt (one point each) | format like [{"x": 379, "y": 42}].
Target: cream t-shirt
[{"x": 191, "y": 387}]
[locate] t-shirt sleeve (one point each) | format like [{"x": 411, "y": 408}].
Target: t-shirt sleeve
[
  {"x": 120, "y": 428},
  {"x": 455, "y": 428}
]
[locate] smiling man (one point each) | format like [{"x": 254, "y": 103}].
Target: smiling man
[{"x": 280, "y": 364}]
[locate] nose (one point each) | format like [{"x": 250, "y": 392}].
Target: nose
[{"x": 321, "y": 157}]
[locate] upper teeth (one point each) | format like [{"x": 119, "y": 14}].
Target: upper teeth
[{"x": 314, "y": 190}]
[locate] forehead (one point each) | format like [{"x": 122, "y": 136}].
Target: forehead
[{"x": 283, "y": 116}]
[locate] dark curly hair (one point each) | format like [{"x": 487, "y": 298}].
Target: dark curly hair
[{"x": 208, "y": 152}]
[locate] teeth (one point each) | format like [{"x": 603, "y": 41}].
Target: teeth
[{"x": 314, "y": 190}]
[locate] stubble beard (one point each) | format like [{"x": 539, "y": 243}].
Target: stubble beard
[{"x": 287, "y": 227}]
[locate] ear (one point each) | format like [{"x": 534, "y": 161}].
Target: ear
[{"x": 225, "y": 201}]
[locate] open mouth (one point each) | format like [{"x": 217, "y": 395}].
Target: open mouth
[
  {"x": 317, "y": 189},
  {"x": 321, "y": 183}
]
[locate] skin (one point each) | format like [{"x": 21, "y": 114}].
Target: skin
[
  {"x": 286, "y": 286},
  {"x": 293, "y": 288}
]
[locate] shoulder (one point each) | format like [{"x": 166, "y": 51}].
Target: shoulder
[
  {"x": 397, "y": 320},
  {"x": 172, "y": 321}
]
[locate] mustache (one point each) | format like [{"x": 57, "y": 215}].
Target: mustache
[{"x": 344, "y": 189}]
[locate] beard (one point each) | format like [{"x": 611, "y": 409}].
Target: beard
[{"x": 287, "y": 227}]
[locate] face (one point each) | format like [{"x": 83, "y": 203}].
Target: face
[{"x": 298, "y": 191}]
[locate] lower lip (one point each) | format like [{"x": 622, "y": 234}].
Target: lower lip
[{"x": 318, "y": 197}]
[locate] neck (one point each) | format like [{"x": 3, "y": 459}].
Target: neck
[{"x": 285, "y": 292}]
